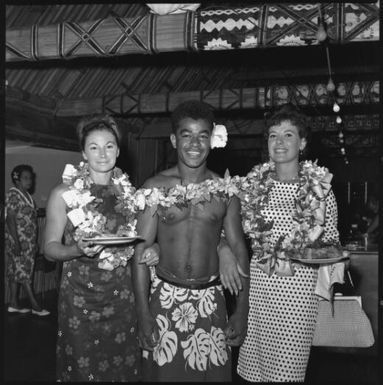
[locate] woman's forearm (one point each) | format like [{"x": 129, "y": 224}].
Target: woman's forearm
[{"x": 55, "y": 251}]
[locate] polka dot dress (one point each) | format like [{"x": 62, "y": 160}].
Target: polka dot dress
[{"x": 283, "y": 310}]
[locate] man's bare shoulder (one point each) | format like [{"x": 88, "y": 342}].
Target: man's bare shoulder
[
  {"x": 214, "y": 175},
  {"x": 167, "y": 178}
]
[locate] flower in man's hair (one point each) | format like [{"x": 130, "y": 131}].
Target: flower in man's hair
[
  {"x": 218, "y": 136},
  {"x": 16, "y": 175}
]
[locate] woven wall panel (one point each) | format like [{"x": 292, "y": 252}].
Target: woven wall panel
[{"x": 105, "y": 37}]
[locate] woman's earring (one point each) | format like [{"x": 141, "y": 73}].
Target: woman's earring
[{"x": 300, "y": 152}]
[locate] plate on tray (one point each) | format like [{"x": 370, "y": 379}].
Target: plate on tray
[
  {"x": 319, "y": 261},
  {"x": 112, "y": 240}
]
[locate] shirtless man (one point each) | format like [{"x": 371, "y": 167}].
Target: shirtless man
[{"x": 183, "y": 325}]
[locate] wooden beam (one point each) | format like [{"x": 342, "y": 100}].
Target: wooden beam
[
  {"x": 37, "y": 138},
  {"x": 214, "y": 29},
  {"x": 356, "y": 124},
  {"x": 355, "y": 93},
  {"x": 31, "y": 126}
]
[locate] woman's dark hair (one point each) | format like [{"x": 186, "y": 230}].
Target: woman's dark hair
[
  {"x": 288, "y": 112},
  {"x": 18, "y": 170},
  {"x": 94, "y": 123},
  {"x": 193, "y": 109}
]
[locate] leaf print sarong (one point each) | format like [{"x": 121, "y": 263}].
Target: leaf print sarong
[{"x": 192, "y": 343}]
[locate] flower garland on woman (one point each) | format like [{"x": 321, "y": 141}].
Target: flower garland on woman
[
  {"x": 308, "y": 215},
  {"x": 89, "y": 222}
]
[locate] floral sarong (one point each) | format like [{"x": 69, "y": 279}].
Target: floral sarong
[{"x": 192, "y": 343}]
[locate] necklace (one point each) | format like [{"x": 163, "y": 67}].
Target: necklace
[
  {"x": 26, "y": 197},
  {"x": 89, "y": 222},
  {"x": 308, "y": 215},
  {"x": 182, "y": 195}
]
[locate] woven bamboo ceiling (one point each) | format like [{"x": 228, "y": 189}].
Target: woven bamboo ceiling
[{"x": 64, "y": 61}]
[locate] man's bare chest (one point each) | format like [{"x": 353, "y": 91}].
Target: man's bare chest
[{"x": 207, "y": 212}]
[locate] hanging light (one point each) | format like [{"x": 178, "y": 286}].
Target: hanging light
[
  {"x": 330, "y": 85},
  {"x": 338, "y": 120},
  {"x": 340, "y": 135},
  {"x": 342, "y": 150},
  {"x": 336, "y": 107},
  {"x": 321, "y": 34},
  {"x": 346, "y": 161}
]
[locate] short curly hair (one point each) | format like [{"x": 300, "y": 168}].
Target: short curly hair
[
  {"x": 18, "y": 170},
  {"x": 288, "y": 112},
  {"x": 193, "y": 109},
  {"x": 92, "y": 123}
]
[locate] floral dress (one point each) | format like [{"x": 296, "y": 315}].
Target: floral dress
[
  {"x": 20, "y": 266},
  {"x": 97, "y": 321},
  {"x": 282, "y": 309}
]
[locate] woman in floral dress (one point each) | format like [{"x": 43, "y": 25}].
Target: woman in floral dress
[
  {"x": 96, "y": 338},
  {"x": 21, "y": 239}
]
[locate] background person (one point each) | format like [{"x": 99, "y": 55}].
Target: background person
[
  {"x": 372, "y": 220},
  {"x": 96, "y": 316},
  {"x": 21, "y": 239}
]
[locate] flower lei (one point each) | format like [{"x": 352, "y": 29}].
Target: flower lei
[
  {"x": 180, "y": 196},
  {"x": 308, "y": 215},
  {"x": 89, "y": 222}
]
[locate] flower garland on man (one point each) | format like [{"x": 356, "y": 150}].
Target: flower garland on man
[{"x": 195, "y": 193}]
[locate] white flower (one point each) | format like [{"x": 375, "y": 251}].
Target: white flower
[
  {"x": 185, "y": 317},
  {"x": 106, "y": 265},
  {"x": 69, "y": 172},
  {"x": 70, "y": 197},
  {"x": 218, "y": 136},
  {"x": 76, "y": 216},
  {"x": 140, "y": 200},
  {"x": 105, "y": 254},
  {"x": 79, "y": 184},
  {"x": 85, "y": 198}
]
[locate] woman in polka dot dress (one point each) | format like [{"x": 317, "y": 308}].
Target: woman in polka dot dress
[{"x": 283, "y": 304}]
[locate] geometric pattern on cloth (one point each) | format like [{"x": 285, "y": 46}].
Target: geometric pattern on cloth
[
  {"x": 220, "y": 29},
  {"x": 285, "y": 24},
  {"x": 129, "y": 36}
]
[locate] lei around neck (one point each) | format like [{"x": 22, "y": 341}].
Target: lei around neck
[
  {"x": 89, "y": 222},
  {"x": 308, "y": 215},
  {"x": 181, "y": 196}
]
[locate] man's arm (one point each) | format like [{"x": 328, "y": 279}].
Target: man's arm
[
  {"x": 147, "y": 329},
  {"x": 237, "y": 325}
]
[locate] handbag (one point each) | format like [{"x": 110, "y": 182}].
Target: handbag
[{"x": 343, "y": 323}]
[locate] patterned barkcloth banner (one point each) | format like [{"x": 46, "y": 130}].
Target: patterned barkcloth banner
[
  {"x": 285, "y": 25},
  {"x": 216, "y": 29}
]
